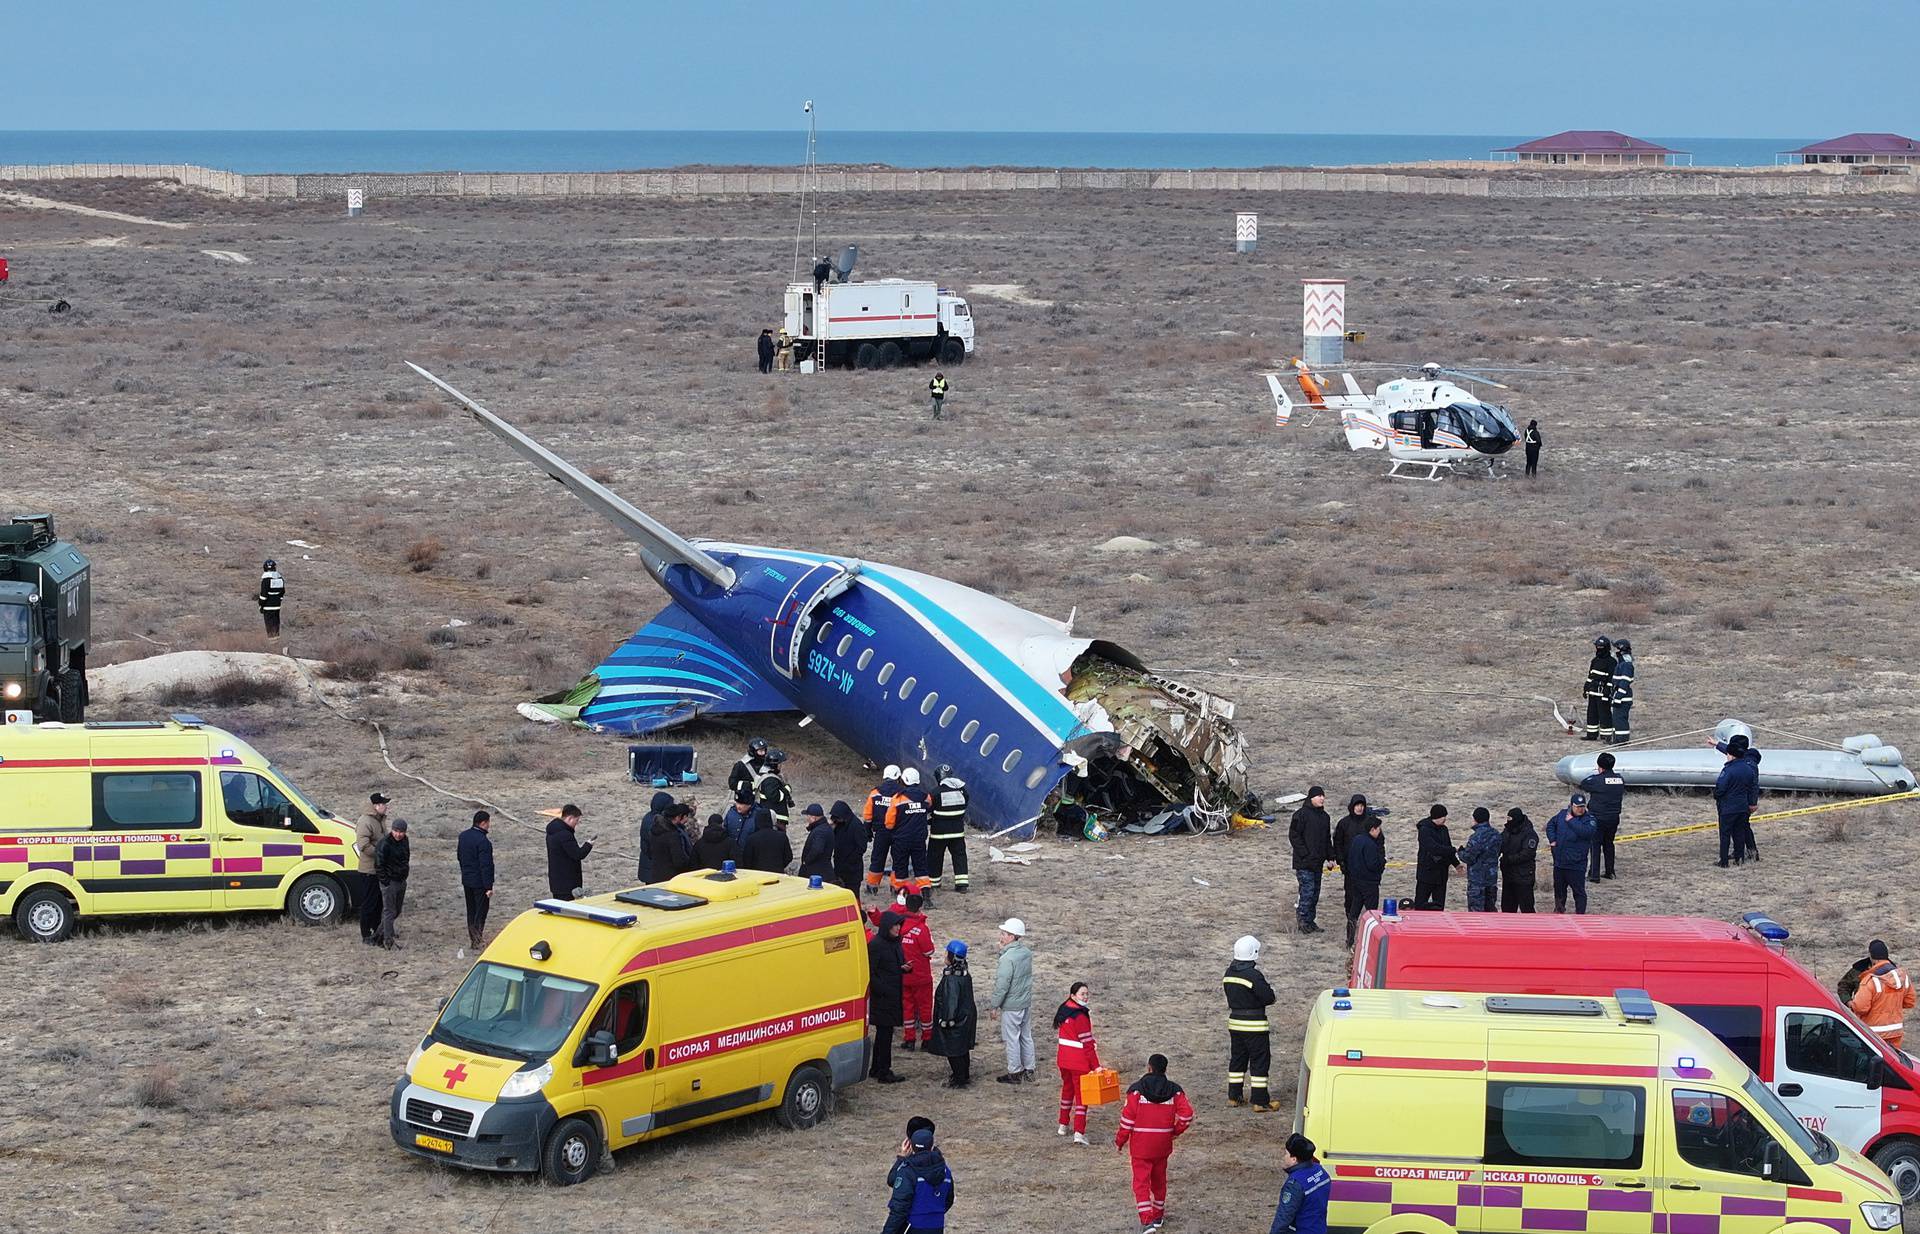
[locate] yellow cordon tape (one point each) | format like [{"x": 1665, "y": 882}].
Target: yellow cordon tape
[{"x": 1684, "y": 828}]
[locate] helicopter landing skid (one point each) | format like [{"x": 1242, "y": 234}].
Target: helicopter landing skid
[{"x": 1435, "y": 467}]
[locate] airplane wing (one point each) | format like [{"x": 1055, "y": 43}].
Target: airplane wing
[{"x": 661, "y": 542}]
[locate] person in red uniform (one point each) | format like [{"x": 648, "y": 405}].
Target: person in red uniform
[
  {"x": 916, "y": 988},
  {"x": 1157, "y": 1113},
  {"x": 1077, "y": 1055}
]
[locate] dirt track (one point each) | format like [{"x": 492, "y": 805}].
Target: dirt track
[{"x": 1725, "y": 482}]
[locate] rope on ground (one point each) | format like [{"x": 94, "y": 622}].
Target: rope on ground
[
  {"x": 386, "y": 756},
  {"x": 1235, "y": 675}
]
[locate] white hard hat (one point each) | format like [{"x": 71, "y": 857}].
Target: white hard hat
[
  {"x": 1246, "y": 947},
  {"x": 910, "y": 776},
  {"x": 891, "y": 773},
  {"x": 1015, "y": 927}
]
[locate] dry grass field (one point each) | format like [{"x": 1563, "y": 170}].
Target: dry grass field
[{"x": 1727, "y": 480}]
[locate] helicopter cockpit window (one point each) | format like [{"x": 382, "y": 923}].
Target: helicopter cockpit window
[{"x": 1476, "y": 420}]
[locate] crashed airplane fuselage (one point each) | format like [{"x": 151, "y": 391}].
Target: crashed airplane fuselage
[{"x": 902, "y": 666}]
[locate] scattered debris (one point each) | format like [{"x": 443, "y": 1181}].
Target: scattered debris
[
  {"x": 238, "y": 259},
  {"x": 302, "y": 544}
]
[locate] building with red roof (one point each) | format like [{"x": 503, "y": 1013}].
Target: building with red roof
[
  {"x": 1593, "y": 148},
  {"x": 1885, "y": 149}
]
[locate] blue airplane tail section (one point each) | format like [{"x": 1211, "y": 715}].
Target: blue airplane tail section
[{"x": 672, "y": 670}]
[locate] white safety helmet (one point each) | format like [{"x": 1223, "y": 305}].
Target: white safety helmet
[
  {"x": 1015, "y": 927},
  {"x": 910, "y": 777},
  {"x": 1246, "y": 947},
  {"x": 891, "y": 773}
]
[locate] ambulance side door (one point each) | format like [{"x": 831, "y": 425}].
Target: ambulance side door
[
  {"x": 1726, "y": 1171},
  {"x": 154, "y": 854},
  {"x": 258, "y": 839},
  {"x": 623, "y": 1089}
]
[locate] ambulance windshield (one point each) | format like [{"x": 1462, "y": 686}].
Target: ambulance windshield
[
  {"x": 1816, "y": 1146},
  {"x": 511, "y": 1011}
]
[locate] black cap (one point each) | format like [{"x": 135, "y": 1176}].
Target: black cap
[
  {"x": 379, "y": 799},
  {"x": 1602, "y": 641},
  {"x": 1877, "y": 949},
  {"x": 744, "y": 796},
  {"x": 922, "y": 1139},
  {"x": 917, "y": 1123},
  {"x": 1578, "y": 799},
  {"x": 1299, "y": 1147},
  {"x": 1438, "y": 811},
  {"x": 816, "y": 810},
  {"x": 400, "y": 825},
  {"x": 1516, "y": 814},
  {"x": 1316, "y": 791},
  {"x": 1735, "y": 745}
]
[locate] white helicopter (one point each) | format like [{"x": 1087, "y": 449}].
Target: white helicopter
[{"x": 1421, "y": 422}]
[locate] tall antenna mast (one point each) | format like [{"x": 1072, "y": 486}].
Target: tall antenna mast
[{"x": 809, "y": 185}]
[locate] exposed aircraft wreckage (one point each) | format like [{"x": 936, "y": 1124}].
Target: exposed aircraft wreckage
[{"x": 904, "y": 668}]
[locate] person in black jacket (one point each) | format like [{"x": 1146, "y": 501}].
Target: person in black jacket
[
  {"x": 475, "y": 851},
  {"x": 849, "y": 846},
  {"x": 715, "y": 847},
  {"x": 565, "y": 853},
  {"x": 886, "y": 968},
  {"x": 1353, "y": 824},
  {"x": 1519, "y": 849},
  {"x": 1532, "y": 440},
  {"x": 1606, "y": 789},
  {"x": 768, "y": 848},
  {"x": 1366, "y": 866},
  {"x": 669, "y": 846},
  {"x": 766, "y": 350},
  {"x": 955, "y": 1018},
  {"x": 391, "y": 862},
  {"x": 816, "y": 851},
  {"x": 1434, "y": 861},
  {"x": 1249, "y": 1036},
  {"x": 656, "y": 810},
  {"x": 1310, "y": 832}
]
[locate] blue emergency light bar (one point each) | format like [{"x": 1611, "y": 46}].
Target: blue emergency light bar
[
  {"x": 1765, "y": 926},
  {"x": 586, "y": 912}
]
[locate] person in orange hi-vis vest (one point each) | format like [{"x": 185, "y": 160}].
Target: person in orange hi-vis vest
[
  {"x": 1884, "y": 997},
  {"x": 877, "y": 825},
  {"x": 1157, "y": 1113},
  {"x": 1077, "y": 1055}
]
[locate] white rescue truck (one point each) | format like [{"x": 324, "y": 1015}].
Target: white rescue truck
[{"x": 878, "y": 324}]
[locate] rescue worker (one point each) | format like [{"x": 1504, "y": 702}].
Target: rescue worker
[
  {"x": 1735, "y": 793},
  {"x": 367, "y": 834},
  {"x": 1621, "y": 696},
  {"x": 947, "y": 833},
  {"x": 768, "y": 849},
  {"x": 816, "y": 848},
  {"x": 746, "y": 773},
  {"x": 1606, "y": 789},
  {"x": 715, "y": 847},
  {"x": 1519, "y": 862},
  {"x": 391, "y": 865},
  {"x": 937, "y": 388},
  {"x": 878, "y": 827},
  {"x": 956, "y": 1020},
  {"x": 670, "y": 843},
  {"x": 886, "y": 966},
  {"x": 1884, "y": 997},
  {"x": 783, "y": 350},
  {"x": 565, "y": 853},
  {"x": 916, "y": 987},
  {"x": 273, "y": 593},
  {"x": 1156, "y": 1114},
  {"x": 1532, "y": 440},
  {"x": 922, "y": 1187},
  {"x": 1011, "y": 1002},
  {"x": 1310, "y": 834},
  {"x": 1570, "y": 836},
  {"x": 1077, "y": 1055},
  {"x": 1599, "y": 692},
  {"x": 908, "y": 816},
  {"x": 1249, "y": 1036},
  {"x": 1434, "y": 860},
  {"x": 766, "y": 349},
  {"x": 849, "y": 845},
  {"x": 773, "y": 795},
  {"x": 1366, "y": 866},
  {"x": 475, "y": 854},
  {"x": 1304, "y": 1196},
  {"x": 1481, "y": 855}
]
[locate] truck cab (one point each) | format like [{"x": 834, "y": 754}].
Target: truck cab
[{"x": 45, "y": 600}]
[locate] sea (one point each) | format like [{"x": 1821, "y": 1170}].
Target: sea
[{"x": 419, "y": 150}]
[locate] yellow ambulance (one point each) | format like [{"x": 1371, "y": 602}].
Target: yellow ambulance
[
  {"x": 157, "y": 816},
  {"x": 1509, "y": 1113},
  {"x": 628, "y": 1016}
]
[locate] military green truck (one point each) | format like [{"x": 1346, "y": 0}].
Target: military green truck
[{"x": 45, "y": 597}]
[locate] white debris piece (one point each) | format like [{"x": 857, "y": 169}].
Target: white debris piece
[{"x": 1128, "y": 544}]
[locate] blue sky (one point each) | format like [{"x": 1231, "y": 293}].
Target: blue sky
[{"x": 1760, "y": 68}]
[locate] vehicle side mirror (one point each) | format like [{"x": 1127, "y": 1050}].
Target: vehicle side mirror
[
  {"x": 1877, "y": 1074},
  {"x": 600, "y": 1050}
]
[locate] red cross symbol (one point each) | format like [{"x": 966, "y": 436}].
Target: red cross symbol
[{"x": 457, "y": 1074}]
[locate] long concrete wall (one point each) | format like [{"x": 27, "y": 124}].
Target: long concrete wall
[{"x": 333, "y": 187}]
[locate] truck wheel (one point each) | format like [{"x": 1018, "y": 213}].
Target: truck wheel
[
  {"x": 809, "y": 1099},
  {"x": 572, "y": 1153},
  {"x": 314, "y": 899},
  {"x": 73, "y": 696},
  {"x": 866, "y": 356},
  {"x": 953, "y": 353},
  {"x": 1901, "y": 1162},
  {"x": 889, "y": 356},
  {"x": 45, "y": 916}
]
